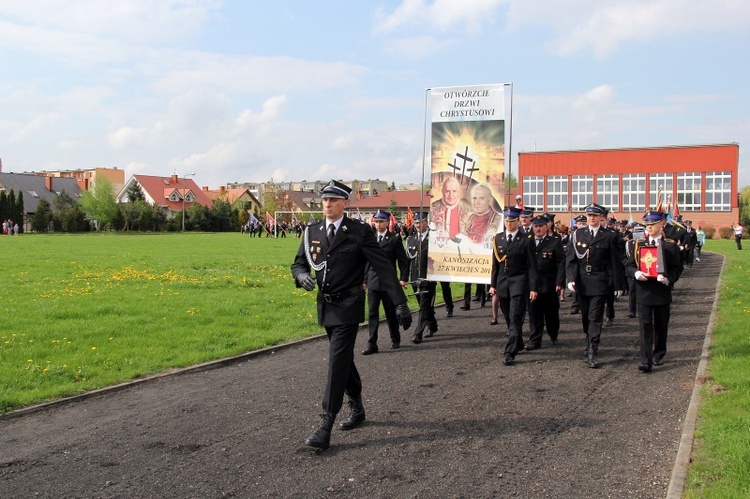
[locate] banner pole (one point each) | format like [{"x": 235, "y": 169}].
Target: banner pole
[{"x": 510, "y": 147}]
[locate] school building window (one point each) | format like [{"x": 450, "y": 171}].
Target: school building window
[
  {"x": 557, "y": 193},
  {"x": 608, "y": 191},
  {"x": 660, "y": 183},
  {"x": 581, "y": 191},
  {"x": 634, "y": 192},
  {"x": 718, "y": 191},
  {"x": 533, "y": 192},
  {"x": 689, "y": 191}
]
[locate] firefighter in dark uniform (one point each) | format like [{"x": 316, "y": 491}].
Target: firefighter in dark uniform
[
  {"x": 339, "y": 249},
  {"x": 654, "y": 294},
  {"x": 609, "y": 310},
  {"x": 550, "y": 261},
  {"x": 394, "y": 250},
  {"x": 593, "y": 257},
  {"x": 416, "y": 249},
  {"x": 580, "y": 223},
  {"x": 514, "y": 279}
]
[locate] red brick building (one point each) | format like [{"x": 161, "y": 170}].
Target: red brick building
[{"x": 701, "y": 179}]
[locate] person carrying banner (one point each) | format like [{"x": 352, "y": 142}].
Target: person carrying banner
[
  {"x": 654, "y": 263},
  {"x": 514, "y": 279},
  {"x": 339, "y": 249},
  {"x": 394, "y": 250},
  {"x": 417, "y": 247}
]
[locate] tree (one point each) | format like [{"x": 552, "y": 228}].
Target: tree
[
  {"x": 393, "y": 209},
  {"x": 511, "y": 182},
  {"x": 99, "y": 203},
  {"x": 19, "y": 211},
  {"x": 221, "y": 216},
  {"x": 744, "y": 206},
  {"x": 134, "y": 192},
  {"x": 4, "y": 208},
  {"x": 392, "y": 187},
  {"x": 42, "y": 217}
]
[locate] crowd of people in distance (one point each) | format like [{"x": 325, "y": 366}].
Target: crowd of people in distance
[{"x": 10, "y": 228}]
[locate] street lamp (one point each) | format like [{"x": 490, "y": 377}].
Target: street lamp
[{"x": 184, "y": 193}]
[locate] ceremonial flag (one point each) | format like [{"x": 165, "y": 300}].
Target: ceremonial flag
[
  {"x": 252, "y": 219},
  {"x": 270, "y": 219},
  {"x": 676, "y": 210},
  {"x": 312, "y": 220},
  {"x": 359, "y": 216},
  {"x": 659, "y": 206},
  {"x": 392, "y": 223},
  {"x": 294, "y": 220},
  {"x": 409, "y": 217}
]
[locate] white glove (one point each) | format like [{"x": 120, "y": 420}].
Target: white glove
[
  {"x": 618, "y": 293},
  {"x": 663, "y": 279},
  {"x": 572, "y": 287},
  {"x": 640, "y": 276}
]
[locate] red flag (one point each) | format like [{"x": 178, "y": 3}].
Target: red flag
[
  {"x": 676, "y": 212},
  {"x": 409, "y": 217},
  {"x": 392, "y": 223},
  {"x": 270, "y": 219}
]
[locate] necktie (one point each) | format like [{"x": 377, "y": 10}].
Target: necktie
[
  {"x": 538, "y": 241},
  {"x": 510, "y": 238},
  {"x": 331, "y": 233},
  {"x": 380, "y": 238}
]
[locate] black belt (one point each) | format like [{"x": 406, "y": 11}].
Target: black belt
[
  {"x": 334, "y": 297},
  {"x": 590, "y": 269}
]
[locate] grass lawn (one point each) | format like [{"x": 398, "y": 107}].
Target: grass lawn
[
  {"x": 720, "y": 465},
  {"x": 81, "y": 312}
]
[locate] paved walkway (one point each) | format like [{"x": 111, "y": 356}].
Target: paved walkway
[{"x": 444, "y": 419}]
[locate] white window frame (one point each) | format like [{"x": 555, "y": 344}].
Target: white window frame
[
  {"x": 581, "y": 191},
  {"x": 557, "y": 193},
  {"x": 718, "y": 191},
  {"x": 666, "y": 181},
  {"x": 689, "y": 192},
  {"x": 533, "y": 192},
  {"x": 608, "y": 191},
  {"x": 634, "y": 192}
]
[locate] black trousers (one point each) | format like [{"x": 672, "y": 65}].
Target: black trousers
[
  {"x": 343, "y": 376},
  {"x": 653, "y": 326},
  {"x": 447, "y": 295},
  {"x": 545, "y": 310},
  {"x": 481, "y": 295},
  {"x": 611, "y": 303},
  {"x": 738, "y": 240},
  {"x": 514, "y": 310},
  {"x": 374, "y": 299},
  {"x": 592, "y": 316},
  {"x": 631, "y": 296},
  {"x": 426, "y": 301}
]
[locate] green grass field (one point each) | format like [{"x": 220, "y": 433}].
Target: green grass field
[{"x": 80, "y": 312}]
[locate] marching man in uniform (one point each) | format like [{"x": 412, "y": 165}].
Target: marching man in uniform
[
  {"x": 654, "y": 263},
  {"x": 593, "y": 260},
  {"x": 339, "y": 249}
]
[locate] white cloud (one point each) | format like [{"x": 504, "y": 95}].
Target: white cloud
[
  {"x": 444, "y": 15},
  {"x": 416, "y": 47},
  {"x": 602, "y": 26}
]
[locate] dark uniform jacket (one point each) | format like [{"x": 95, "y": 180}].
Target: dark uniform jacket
[
  {"x": 394, "y": 249},
  {"x": 599, "y": 265},
  {"x": 651, "y": 291},
  {"x": 417, "y": 254},
  {"x": 514, "y": 268},
  {"x": 691, "y": 239},
  {"x": 341, "y": 297},
  {"x": 550, "y": 262}
]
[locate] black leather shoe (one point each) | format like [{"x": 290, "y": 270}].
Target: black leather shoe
[
  {"x": 430, "y": 334},
  {"x": 464, "y": 307},
  {"x": 475, "y": 298},
  {"x": 449, "y": 313},
  {"x": 659, "y": 362},
  {"x": 493, "y": 322},
  {"x": 356, "y": 415},
  {"x": 395, "y": 346},
  {"x": 574, "y": 311},
  {"x": 644, "y": 368},
  {"x": 592, "y": 361},
  {"x": 631, "y": 316},
  {"x": 533, "y": 347},
  {"x": 321, "y": 438},
  {"x": 416, "y": 339},
  {"x": 370, "y": 350},
  {"x": 554, "y": 342},
  {"x": 609, "y": 323},
  {"x": 508, "y": 360}
]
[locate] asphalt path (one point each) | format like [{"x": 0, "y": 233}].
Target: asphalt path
[{"x": 444, "y": 419}]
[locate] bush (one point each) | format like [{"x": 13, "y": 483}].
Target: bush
[
  {"x": 710, "y": 231},
  {"x": 726, "y": 232}
]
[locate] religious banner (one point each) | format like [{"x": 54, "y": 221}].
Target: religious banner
[{"x": 467, "y": 150}]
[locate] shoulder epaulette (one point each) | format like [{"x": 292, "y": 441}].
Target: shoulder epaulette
[{"x": 669, "y": 240}]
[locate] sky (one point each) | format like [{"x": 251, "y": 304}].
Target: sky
[{"x": 239, "y": 91}]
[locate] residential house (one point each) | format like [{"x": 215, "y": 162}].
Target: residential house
[
  {"x": 172, "y": 194},
  {"x": 35, "y": 188}
]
